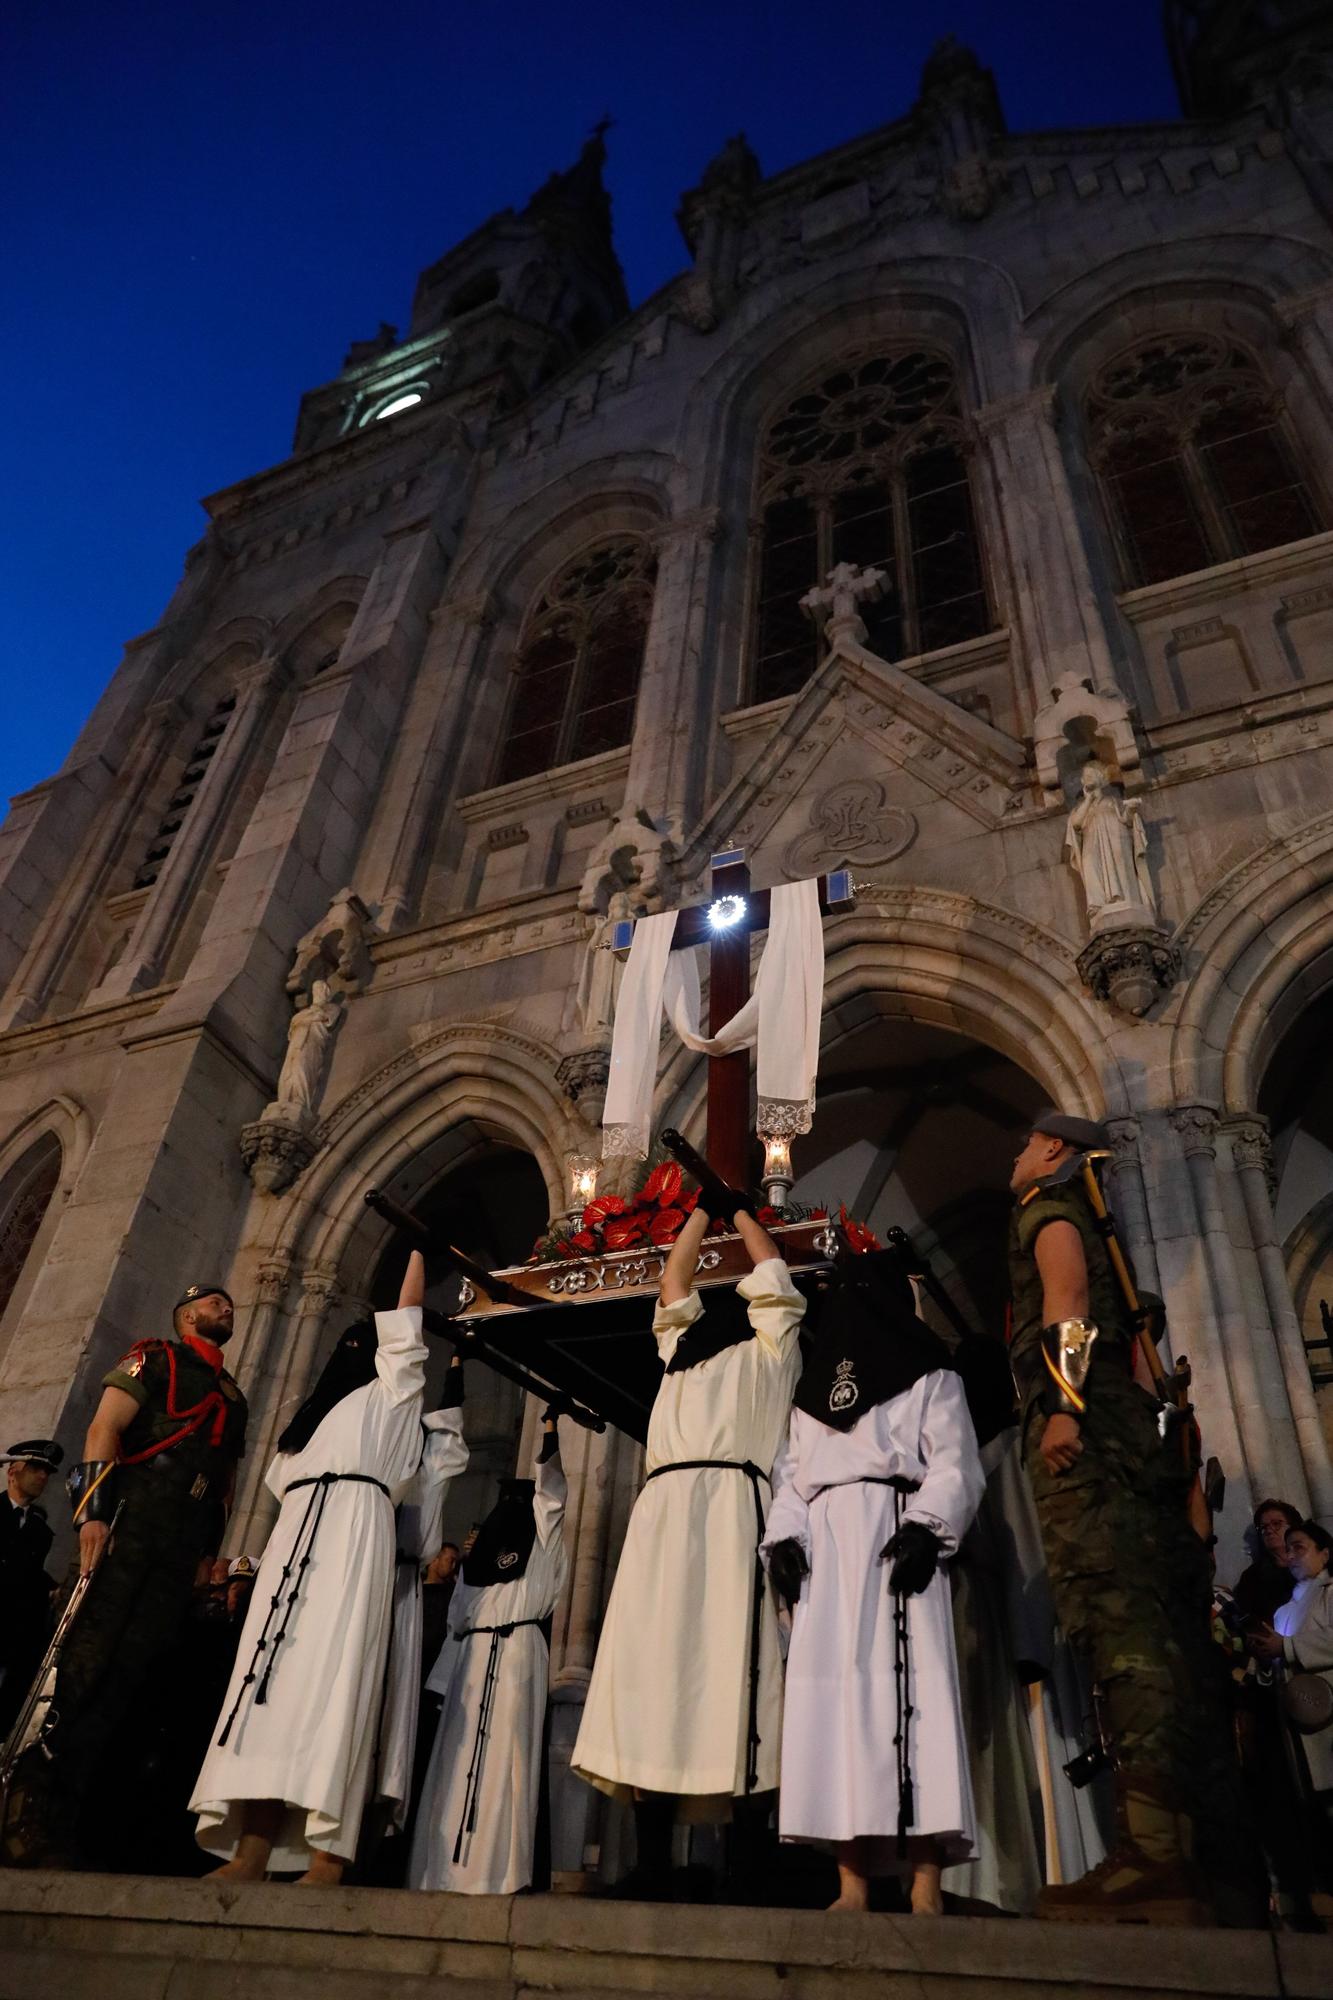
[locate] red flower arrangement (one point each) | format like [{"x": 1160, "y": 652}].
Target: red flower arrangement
[{"x": 653, "y": 1218}]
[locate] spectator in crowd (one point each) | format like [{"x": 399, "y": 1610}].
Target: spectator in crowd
[
  {"x": 437, "y": 1592},
  {"x": 1267, "y": 1582},
  {"x": 25, "y": 1587},
  {"x": 1296, "y": 1652}
]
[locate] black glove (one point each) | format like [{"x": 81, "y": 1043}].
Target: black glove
[
  {"x": 720, "y": 1202},
  {"x": 451, "y": 1396},
  {"x": 915, "y": 1553},
  {"x": 788, "y": 1568}
]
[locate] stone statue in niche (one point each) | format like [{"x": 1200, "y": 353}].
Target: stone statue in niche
[
  {"x": 309, "y": 1037},
  {"x": 1108, "y": 851},
  {"x": 599, "y": 976},
  {"x": 634, "y": 857}
]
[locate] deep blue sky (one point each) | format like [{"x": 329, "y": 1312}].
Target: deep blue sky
[{"x": 204, "y": 204}]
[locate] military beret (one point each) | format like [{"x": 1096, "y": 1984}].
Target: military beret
[
  {"x": 36, "y": 1451},
  {"x": 192, "y": 1293},
  {"x": 1085, "y": 1133}
]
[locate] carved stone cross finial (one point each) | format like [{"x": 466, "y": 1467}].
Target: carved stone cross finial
[{"x": 845, "y": 587}]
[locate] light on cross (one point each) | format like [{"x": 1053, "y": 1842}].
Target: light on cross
[{"x": 726, "y": 911}]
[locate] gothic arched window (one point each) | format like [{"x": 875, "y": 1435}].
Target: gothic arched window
[
  {"x": 577, "y": 672},
  {"x": 1188, "y": 438},
  {"x": 868, "y": 464},
  {"x": 25, "y": 1196}
]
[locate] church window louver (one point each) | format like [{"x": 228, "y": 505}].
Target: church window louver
[
  {"x": 868, "y": 464},
  {"x": 576, "y": 676},
  {"x": 1190, "y": 443},
  {"x": 181, "y": 800}
]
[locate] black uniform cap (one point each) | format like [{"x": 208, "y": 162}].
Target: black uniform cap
[
  {"x": 1085, "y": 1133},
  {"x": 36, "y": 1451},
  {"x": 193, "y": 1293}
]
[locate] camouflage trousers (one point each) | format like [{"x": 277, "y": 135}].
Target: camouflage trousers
[
  {"x": 1132, "y": 1591},
  {"x": 132, "y": 1614}
]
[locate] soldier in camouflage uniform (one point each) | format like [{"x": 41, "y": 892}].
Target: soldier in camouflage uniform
[
  {"x": 1129, "y": 1575},
  {"x": 163, "y": 1447}
]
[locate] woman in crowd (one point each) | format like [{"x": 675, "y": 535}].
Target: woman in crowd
[{"x": 1296, "y": 1650}]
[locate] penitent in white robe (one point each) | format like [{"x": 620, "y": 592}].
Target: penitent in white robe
[
  {"x": 669, "y": 1700},
  {"x": 839, "y": 1764},
  {"x": 498, "y": 1770},
  {"x": 310, "y": 1744},
  {"x": 444, "y": 1455}
]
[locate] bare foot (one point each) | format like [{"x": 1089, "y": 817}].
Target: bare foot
[
  {"x": 852, "y": 1902},
  {"x": 325, "y": 1871},
  {"x": 238, "y": 1869},
  {"x": 927, "y": 1897}
]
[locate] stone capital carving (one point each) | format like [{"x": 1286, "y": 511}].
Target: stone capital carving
[
  {"x": 1123, "y": 1134},
  {"x": 319, "y": 1290},
  {"x": 1195, "y": 1125},
  {"x": 1252, "y": 1147},
  {"x": 1304, "y": 309},
  {"x": 276, "y": 1153},
  {"x": 1030, "y": 407},
  {"x": 704, "y": 525},
  {"x": 583, "y": 1077},
  {"x": 274, "y": 1278},
  {"x": 1129, "y": 967},
  {"x": 479, "y": 611}
]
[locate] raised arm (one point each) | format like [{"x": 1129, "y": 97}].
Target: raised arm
[
  {"x": 548, "y": 1505},
  {"x": 683, "y": 1260},
  {"x": 400, "y": 1355}
]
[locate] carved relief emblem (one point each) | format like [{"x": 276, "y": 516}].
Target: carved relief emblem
[
  {"x": 844, "y": 1394},
  {"x": 851, "y": 822}
]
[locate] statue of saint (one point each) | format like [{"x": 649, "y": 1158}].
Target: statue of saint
[
  {"x": 1108, "y": 851},
  {"x": 309, "y": 1036},
  {"x": 599, "y": 978}
]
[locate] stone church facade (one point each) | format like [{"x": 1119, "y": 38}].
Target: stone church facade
[{"x": 955, "y": 458}]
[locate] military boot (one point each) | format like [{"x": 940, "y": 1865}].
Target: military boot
[{"x": 1149, "y": 1876}]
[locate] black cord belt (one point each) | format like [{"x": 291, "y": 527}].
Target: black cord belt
[
  {"x": 895, "y": 1480},
  {"x": 472, "y": 1790},
  {"x": 319, "y": 1484},
  {"x": 754, "y": 1474}
]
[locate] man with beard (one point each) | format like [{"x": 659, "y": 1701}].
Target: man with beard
[
  {"x": 162, "y": 1447},
  {"x": 683, "y": 1712},
  {"x": 477, "y": 1820},
  {"x": 879, "y": 1481},
  {"x": 287, "y": 1773}
]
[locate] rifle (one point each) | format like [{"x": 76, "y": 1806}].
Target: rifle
[
  {"x": 470, "y": 1340},
  {"x": 1173, "y": 1390},
  {"x": 38, "y": 1717}
]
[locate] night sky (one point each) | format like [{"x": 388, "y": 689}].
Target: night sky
[{"x": 206, "y": 204}]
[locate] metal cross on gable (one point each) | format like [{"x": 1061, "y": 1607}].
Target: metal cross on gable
[{"x": 725, "y": 924}]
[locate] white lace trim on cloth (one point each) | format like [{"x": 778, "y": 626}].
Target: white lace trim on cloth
[{"x": 784, "y": 1118}]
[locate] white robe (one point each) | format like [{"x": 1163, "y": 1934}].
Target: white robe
[
  {"x": 444, "y": 1455},
  {"x": 495, "y": 1859},
  {"x": 839, "y": 1765},
  {"x": 669, "y": 1700},
  {"x": 311, "y": 1742}
]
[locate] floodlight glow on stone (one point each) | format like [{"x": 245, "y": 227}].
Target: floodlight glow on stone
[
  {"x": 725, "y": 912},
  {"x": 398, "y": 403}
]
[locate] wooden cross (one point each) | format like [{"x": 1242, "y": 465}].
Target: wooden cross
[{"x": 725, "y": 925}]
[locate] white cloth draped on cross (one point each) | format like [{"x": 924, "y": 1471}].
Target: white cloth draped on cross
[{"x": 782, "y": 1016}]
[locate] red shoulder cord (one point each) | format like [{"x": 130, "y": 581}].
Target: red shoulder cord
[{"x": 211, "y": 1404}]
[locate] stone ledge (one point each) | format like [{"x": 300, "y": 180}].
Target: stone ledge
[{"x": 156, "y": 1939}]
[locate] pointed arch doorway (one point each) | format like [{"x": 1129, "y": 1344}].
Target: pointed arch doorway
[{"x": 917, "y": 1126}]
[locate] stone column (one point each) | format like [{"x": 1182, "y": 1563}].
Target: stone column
[
  {"x": 1252, "y": 1158},
  {"x": 1196, "y": 1128},
  {"x": 251, "y": 1360},
  {"x": 1308, "y": 323},
  {"x": 1052, "y": 599},
  {"x": 1129, "y": 1201},
  {"x": 459, "y": 630},
  {"x": 669, "y": 753},
  {"x": 143, "y": 963},
  {"x": 68, "y": 913},
  {"x": 289, "y": 1378}
]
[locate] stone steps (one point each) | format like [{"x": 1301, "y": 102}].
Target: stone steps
[{"x": 120, "y": 1937}]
